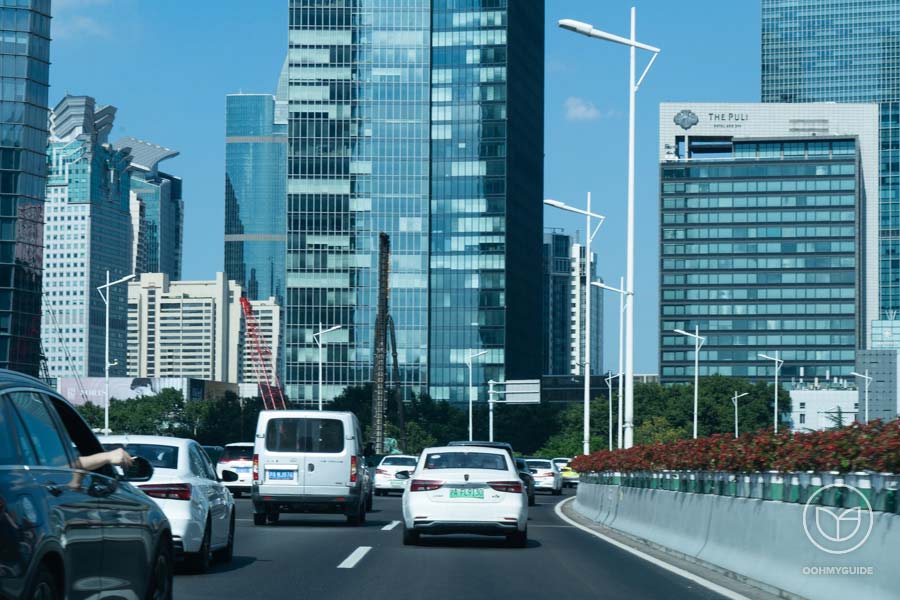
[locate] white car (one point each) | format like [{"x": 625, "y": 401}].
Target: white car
[
  {"x": 459, "y": 489},
  {"x": 199, "y": 507},
  {"x": 237, "y": 457},
  {"x": 547, "y": 476},
  {"x": 386, "y": 471}
]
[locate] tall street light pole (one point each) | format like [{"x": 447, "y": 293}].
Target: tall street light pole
[
  {"x": 589, "y": 236},
  {"x": 321, "y": 344},
  {"x": 103, "y": 290},
  {"x": 868, "y": 380},
  {"x": 633, "y": 44},
  {"x": 609, "y": 380},
  {"x": 622, "y": 293},
  {"x": 469, "y": 358},
  {"x": 735, "y": 402},
  {"x": 778, "y": 362},
  {"x": 698, "y": 343}
]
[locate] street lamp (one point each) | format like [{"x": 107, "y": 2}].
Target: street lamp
[
  {"x": 698, "y": 343},
  {"x": 589, "y": 236},
  {"x": 318, "y": 338},
  {"x": 622, "y": 293},
  {"x": 469, "y": 358},
  {"x": 778, "y": 363},
  {"x": 588, "y": 30},
  {"x": 101, "y": 289},
  {"x": 868, "y": 381},
  {"x": 735, "y": 401}
]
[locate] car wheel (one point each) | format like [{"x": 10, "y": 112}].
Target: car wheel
[
  {"x": 358, "y": 517},
  {"x": 45, "y": 586},
  {"x": 410, "y": 537},
  {"x": 531, "y": 501},
  {"x": 272, "y": 517},
  {"x": 518, "y": 539},
  {"x": 557, "y": 492},
  {"x": 160, "y": 585},
  {"x": 199, "y": 562},
  {"x": 236, "y": 494},
  {"x": 259, "y": 519},
  {"x": 370, "y": 501},
  {"x": 227, "y": 553}
]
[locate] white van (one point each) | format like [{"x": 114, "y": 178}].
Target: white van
[{"x": 308, "y": 461}]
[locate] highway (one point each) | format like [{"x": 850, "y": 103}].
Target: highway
[{"x": 319, "y": 556}]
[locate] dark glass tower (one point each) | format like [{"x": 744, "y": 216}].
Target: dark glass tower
[{"x": 25, "y": 58}]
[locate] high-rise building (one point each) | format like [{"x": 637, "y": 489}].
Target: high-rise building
[
  {"x": 161, "y": 228},
  {"x": 268, "y": 329},
  {"x": 577, "y": 295},
  {"x": 25, "y": 59},
  {"x": 421, "y": 119},
  {"x": 255, "y": 193},
  {"x": 87, "y": 235},
  {"x": 557, "y": 311},
  {"x": 766, "y": 237},
  {"x": 846, "y": 51}
]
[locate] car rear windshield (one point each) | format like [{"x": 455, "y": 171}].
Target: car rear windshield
[
  {"x": 399, "y": 461},
  {"x": 236, "y": 452},
  {"x": 466, "y": 460},
  {"x": 540, "y": 464},
  {"x": 161, "y": 457},
  {"x": 305, "y": 435}
]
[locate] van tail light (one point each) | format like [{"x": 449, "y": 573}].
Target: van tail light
[
  {"x": 256, "y": 467},
  {"x": 381, "y": 472},
  {"x": 168, "y": 491},
  {"x": 424, "y": 485},
  {"x": 512, "y": 487},
  {"x": 353, "y": 473}
]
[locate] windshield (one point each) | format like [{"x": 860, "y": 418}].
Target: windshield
[
  {"x": 161, "y": 457},
  {"x": 305, "y": 435},
  {"x": 560, "y": 462},
  {"x": 237, "y": 452},
  {"x": 399, "y": 461},
  {"x": 540, "y": 464},
  {"x": 466, "y": 460}
]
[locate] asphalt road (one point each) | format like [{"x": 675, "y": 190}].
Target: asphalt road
[{"x": 299, "y": 558}]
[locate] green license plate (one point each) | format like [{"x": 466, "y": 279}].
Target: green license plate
[{"x": 467, "y": 493}]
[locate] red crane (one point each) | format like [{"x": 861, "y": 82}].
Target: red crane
[{"x": 269, "y": 386}]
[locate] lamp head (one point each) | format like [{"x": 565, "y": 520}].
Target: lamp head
[
  {"x": 556, "y": 203},
  {"x": 576, "y": 26}
]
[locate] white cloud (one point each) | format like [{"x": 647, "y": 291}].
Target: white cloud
[
  {"x": 78, "y": 26},
  {"x": 579, "y": 109}
]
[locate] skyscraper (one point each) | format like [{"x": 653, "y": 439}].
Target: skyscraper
[
  {"x": 421, "y": 119},
  {"x": 87, "y": 233},
  {"x": 25, "y": 58},
  {"x": 845, "y": 51},
  {"x": 557, "y": 309},
  {"x": 578, "y": 281}
]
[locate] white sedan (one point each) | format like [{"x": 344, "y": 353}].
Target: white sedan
[
  {"x": 386, "y": 479},
  {"x": 199, "y": 507},
  {"x": 464, "y": 489},
  {"x": 546, "y": 475},
  {"x": 237, "y": 457}
]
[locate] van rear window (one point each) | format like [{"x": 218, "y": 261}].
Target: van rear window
[{"x": 305, "y": 435}]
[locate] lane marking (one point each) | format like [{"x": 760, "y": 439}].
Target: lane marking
[
  {"x": 355, "y": 557},
  {"x": 390, "y": 525},
  {"x": 731, "y": 594}
]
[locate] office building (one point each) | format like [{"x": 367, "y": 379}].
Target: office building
[
  {"x": 765, "y": 231},
  {"x": 557, "y": 310},
  {"x": 193, "y": 329},
  {"x": 255, "y": 192},
  {"x": 829, "y": 407},
  {"x": 844, "y": 51},
  {"x": 268, "y": 328},
  {"x": 87, "y": 235},
  {"x": 160, "y": 229},
  {"x": 25, "y": 56},
  {"x": 424, "y": 120},
  {"x": 883, "y": 366},
  {"x": 577, "y": 291}
]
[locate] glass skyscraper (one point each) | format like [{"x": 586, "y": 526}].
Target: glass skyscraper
[
  {"x": 422, "y": 119},
  {"x": 845, "y": 51},
  {"x": 25, "y": 61}
]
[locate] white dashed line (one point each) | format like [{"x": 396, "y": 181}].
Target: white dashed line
[
  {"x": 390, "y": 525},
  {"x": 355, "y": 556}
]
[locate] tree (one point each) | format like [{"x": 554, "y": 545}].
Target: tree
[{"x": 658, "y": 430}]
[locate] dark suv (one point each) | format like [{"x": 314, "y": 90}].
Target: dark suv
[{"x": 66, "y": 532}]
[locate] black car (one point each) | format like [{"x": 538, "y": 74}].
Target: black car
[
  {"x": 525, "y": 474},
  {"x": 66, "y": 532}
]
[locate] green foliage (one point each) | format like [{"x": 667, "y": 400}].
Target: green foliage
[{"x": 658, "y": 430}]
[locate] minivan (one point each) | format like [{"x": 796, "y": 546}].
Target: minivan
[{"x": 308, "y": 461}]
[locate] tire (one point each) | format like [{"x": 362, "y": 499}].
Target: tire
[
  {"x": 370, "y": 502},
  {"x": 160, "y": 584},
  {"x": 358, "y": 517},
  {"x": 558, "y": 492},
  {"x": 224, "y": 555},
  {"x": 236, "y": 494},
  {"x": 379, "y": 493},
  {"x": 259, "y": 519},
  {"x": 272, "y": 517},
  {"x": 199, "y": 561},
  {"x": 518, "y": 539},
  {"x": 45, "y": 586},
  {"x": 531, "y": 501},
  {"x": 410, "y": 537}
]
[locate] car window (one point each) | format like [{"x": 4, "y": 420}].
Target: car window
[
  {"x": 237, "y": 452},
  {"x": 399, "y": 461},
  {"x": 83, "y": 441},
  {"x": 41, "y": 429},
  {"x": 540, "y": 464},
  {"x": 197, "y": 467},
  {"x": 9, "y": 455},
  {"x": 305, "y": 435},
  {"x": 465, "y": 460},
  {"x": 161, "y": 457},
  {"x": 208, "y": 469}
]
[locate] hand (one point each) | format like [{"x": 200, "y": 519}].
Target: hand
[{"x": 119, "y": 458}]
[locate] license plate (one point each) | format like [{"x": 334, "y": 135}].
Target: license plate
[
  {"x": 281, "y": 475},
  {"x": 242, "y": 470},
  {"x": 397, "y": 483},
  {"x": 467, "y": 493}
]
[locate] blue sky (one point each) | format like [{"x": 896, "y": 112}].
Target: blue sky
[{"x": 168, "y": 64}]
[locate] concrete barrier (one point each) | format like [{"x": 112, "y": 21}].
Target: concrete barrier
[{"x": 750, "y": 539}]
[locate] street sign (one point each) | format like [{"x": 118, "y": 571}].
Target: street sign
[{"x": 519, "y": 391}]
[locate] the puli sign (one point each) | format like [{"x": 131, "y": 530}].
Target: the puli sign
[{"x": 715, "y": 120}]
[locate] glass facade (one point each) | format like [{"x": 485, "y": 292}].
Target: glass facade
[
  {"x": 400, "y": 120},
  {"x": 255, "y": 194},
  {"x": 557, "y": 304},
  {"x": 760, "y": 250},
  {"x": 844, "y": 51},
  {"x": 24, "y": 68}
]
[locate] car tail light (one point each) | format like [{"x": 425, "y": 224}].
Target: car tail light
[
  {"x": 352, "y": 469},
  {"x": 544, "y": 475},
  {"x": 256, "y": 467},
  {"x": 382, "y": 472},
  {"x": 424, "y": 485},
  {"x": 168, "y": 491},
  {"x": 513, "y": 487}
]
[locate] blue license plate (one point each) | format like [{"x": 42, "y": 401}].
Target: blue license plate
[
  {"x": 281, "y": 475},
  {"x": 242, "y": 470}
]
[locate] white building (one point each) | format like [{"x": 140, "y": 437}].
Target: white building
[
  {"x": 576, "y": 319},
  {"x": 813, "y": 409},
  {"x": 268, "y": 323}
]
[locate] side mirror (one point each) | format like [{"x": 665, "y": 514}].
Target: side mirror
[
  {"x": 229, "y": 476},
  {"x": 139, "y": 471},
  {"x": 402, "y": 475}
]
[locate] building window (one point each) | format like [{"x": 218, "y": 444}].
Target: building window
[{"x": 802, "y": 418}]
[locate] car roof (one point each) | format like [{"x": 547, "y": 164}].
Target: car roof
[
  {"x": 14, "y": 379},
  {"x": 503, "y": 445},
  {"x": 460, "y": 448},
  {"x": 305, "y": 414},
  {"x": 239, "y": 445},
  {"x": 399, "y": 456},
  {"x": 159, "y": 440}
]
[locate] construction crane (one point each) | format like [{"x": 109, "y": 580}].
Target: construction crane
[
  {"x": 384, "y": 324},
  {"x": 269, "y": 386}
]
